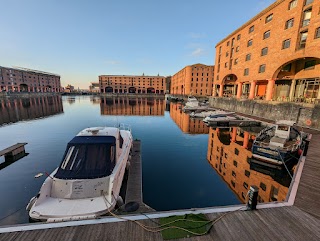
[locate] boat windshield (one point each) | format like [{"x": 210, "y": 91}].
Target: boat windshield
[{"x": 87, "y": 161}]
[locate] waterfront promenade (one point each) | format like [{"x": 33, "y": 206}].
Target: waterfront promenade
[{"x": 296, "y": 219}]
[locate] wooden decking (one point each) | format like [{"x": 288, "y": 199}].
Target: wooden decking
[{"x": 298, "y": 222}]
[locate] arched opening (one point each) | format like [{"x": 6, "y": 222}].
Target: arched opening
[
  {"x": 157, "y": 91},
  {"x": 109, "y": 89},
  {"x": 298, "y": 80},
  {"x": 132, "y": 90},
  {"x": 139, "y": 91},
  {"x": 150, "y": 90},
  {"x": 230, "y": 87},
  {"x": 23, "y": 88},
  {"x": 48, "y": 88}
]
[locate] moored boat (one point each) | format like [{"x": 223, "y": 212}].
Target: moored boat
[
  {"x": 88, "y": 181},
  {"x": 278, "y": 144}
]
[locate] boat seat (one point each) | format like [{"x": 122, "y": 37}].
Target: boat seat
[{"x": 278, "y": 141}]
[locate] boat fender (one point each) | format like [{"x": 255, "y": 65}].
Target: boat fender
[
  {"x": 31, "y": 203},
  {"x": 308, "y": 122},
  {"x": 120, "y": 202}
]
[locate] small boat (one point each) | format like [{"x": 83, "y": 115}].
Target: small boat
[
  {"x": 220, "y": 116},
  {"x": 88, "y": 181},
  {"x": 192, "y": 102},
  {"x": 278, "y": 144},
  {"x": 205, "y": 114}
]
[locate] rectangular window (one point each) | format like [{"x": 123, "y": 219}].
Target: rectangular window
[
  {"x": 227, "y": 54},
  {"x": 239, "y": 36},
  {"x": 262, "y": 68},
  {"x": 269, "y": 18},
  {"x": 266, "y": 34},
  {"x": 308, "y": 2},
  {"x": 220, "y": 49},
  {"x": 248, "y": 57},
  {"x": 235, "y": 163},
  {"x": 303, "y": 39},
  {"x": 251, "y": 29},
  {"x": 235, "y": 61},
  {"x": 247, "y": 173},
  {"x": 237, "y": 49},
  {"x": 263, "y": 186},
  {"x": 289, "y": 23},
  {"x": 264, "y": 51},
  {"x": 293, "y": 4},
  {"x": 245, "y": 185},
  {"x": 249, "y": 43},
  {"x": 286, "y": 44},
  {"x": 228, "y": 43},
  {"x": 232, "y": 42},
  {"x": 306, "y": 17},
  {"x": 246, "y": 72},
  {"x": 317, "y": 35},
  {"x": 226, "y": 64}
]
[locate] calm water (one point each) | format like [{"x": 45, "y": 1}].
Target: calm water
[{"x": 185, "y": 163}]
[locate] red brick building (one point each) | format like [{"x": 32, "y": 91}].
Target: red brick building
[
  {"x": 132, "y": 84},
  {"x": 274, "y": 56},
  {"x": 194, "y": 79},
  {"x": 28, "y": 80}
]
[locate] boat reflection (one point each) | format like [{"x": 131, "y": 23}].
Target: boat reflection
[
  {"x": 185, "y": 123},
  {"x": 17, "y": 109},
  {"x": 133, "y": 106},
  {"x": 229, "y": 153}
]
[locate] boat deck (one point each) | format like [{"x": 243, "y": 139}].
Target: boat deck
[{"x": 300, "y": 221}]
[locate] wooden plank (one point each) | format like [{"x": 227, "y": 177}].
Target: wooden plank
[{"x": 12, "y": 148}]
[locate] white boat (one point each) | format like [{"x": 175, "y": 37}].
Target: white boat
[
  {"x": 205, "y": 114},
  {"x": 88, "y": 181},
  {"x": 220, "y": 116},
  {"x": 192, "y": 102},
  {"x": 278, "y": 144}
]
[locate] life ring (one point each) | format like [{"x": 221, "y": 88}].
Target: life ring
[{"x": 308, "y": 122}]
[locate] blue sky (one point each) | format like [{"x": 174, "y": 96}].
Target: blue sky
[{"x": 81, "y": 40}]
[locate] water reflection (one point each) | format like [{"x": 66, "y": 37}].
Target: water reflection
[
  {"x": 185, "y": 123},
  {"x": 18, "y": 109},
  {"x": 133, "y": 106},
  {"x": 229, "y": 153}
]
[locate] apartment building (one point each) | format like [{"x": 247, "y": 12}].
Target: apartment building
[
  {"x": 28, "y": 80},
  {"x": 132, "y": 84},
  {"x": 274, "y": 56},
  {"x": 194, "y": 79}
]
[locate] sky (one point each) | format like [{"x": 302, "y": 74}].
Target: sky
[{"x": 82, "y": 39}]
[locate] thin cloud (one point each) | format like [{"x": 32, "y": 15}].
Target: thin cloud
[
  {"x": 112, "y": 62},
  {"x": 197, "y": 35},
  {"x": 198, "y": 52}
]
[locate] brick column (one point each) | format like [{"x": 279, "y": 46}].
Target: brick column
[
  {"x": 221, "y": 91},
  {"x": 234, "y": 134},
  {"x": 245, "y": 139},
  {"x": 252, "y": 90},
  {"x": 239, "y": 91},
  {"x": 214, "y": 92},
  {"x": 270, "y": 87}
]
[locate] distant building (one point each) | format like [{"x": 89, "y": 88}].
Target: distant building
[
  {"x": 132, "y": 84},
  {"x": 94, "y": 87},
  {"x": 69, "y": 89},
  {"x": 28, "y": 80},
  {"x": 273, "y": 56},
  {"x": 194, "y": 79}
]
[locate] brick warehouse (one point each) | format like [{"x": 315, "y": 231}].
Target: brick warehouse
[
  {"x": 28, "y": 80},
  {"x": 132, "y": 84},
  {"x": 194, "y": 79},
  {"x": 274, "y": 56}
]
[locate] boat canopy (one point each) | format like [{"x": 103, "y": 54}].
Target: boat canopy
[{"x": 88, "y": 157}]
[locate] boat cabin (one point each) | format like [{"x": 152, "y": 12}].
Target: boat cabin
[{"x": 284, "y": 132}]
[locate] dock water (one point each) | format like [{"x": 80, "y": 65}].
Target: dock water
[{"x": 297, "y": 219}]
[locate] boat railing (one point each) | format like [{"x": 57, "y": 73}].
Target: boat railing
[
  {"x": 292, "y": 147},
  {"x": 124, "y": 127}
]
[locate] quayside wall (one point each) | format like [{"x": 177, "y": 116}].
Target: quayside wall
[{"x": 307, "y": 115}]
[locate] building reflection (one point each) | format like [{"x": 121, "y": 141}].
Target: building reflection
[
  {"x": 18, "y": 109},
  {"x": 185, "y": 123},
  {"x": 229, "y": 153},
  {"x": 141, "y": 106}
]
